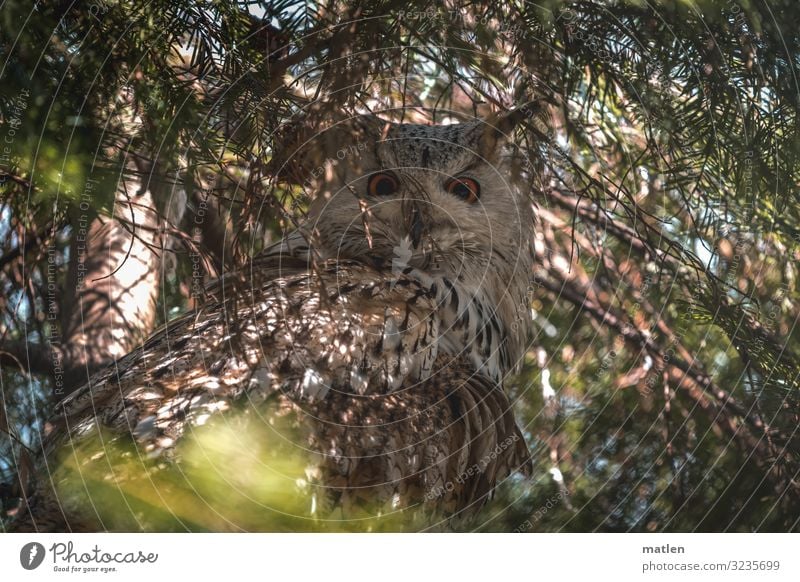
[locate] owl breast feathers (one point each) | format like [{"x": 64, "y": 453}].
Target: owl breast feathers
[{"x": 387, "y": 322}]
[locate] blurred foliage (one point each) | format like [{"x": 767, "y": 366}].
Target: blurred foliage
[
  {"x": 232, "y": 474},
  {"x": 236, "y": 473},
  {"x": 661, "y": 387}
]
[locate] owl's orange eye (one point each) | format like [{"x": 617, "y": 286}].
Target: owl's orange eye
[
  {"x": 465, "y": 188},
  {"x": 382, "y": 184}
]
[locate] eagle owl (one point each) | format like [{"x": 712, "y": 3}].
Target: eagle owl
[{"x": 386, "y": 322}]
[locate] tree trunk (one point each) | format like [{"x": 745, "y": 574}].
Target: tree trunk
[{"x": 109, "y": 304}]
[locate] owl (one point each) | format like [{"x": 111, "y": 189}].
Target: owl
[{"x": 387, "y": 323}]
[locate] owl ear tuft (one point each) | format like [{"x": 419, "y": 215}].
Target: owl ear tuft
[
  {"x": 498, "y": 129},
  {"x": 302, "y": 150}
]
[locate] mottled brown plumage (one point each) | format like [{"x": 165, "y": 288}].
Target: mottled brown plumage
[{"x": 394, "y": 368}]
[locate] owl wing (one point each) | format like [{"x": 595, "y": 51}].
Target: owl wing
[{"x": 282, "y": 331}]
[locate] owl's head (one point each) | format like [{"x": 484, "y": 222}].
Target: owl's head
[{"x": 436, "y": 199}]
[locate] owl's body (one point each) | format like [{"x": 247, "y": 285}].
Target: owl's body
[{"x": 386, "y": 323}]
